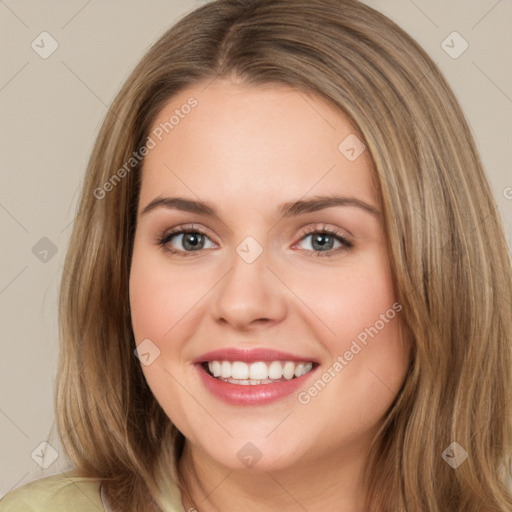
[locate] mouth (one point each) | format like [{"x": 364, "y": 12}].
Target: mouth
[
  {"x": 258, "y": 372},
  {"x": 254, "y": 377}
]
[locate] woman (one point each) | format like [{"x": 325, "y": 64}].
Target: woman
[{"x": 208, "y": 360}]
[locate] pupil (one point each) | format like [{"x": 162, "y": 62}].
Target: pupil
[
  {"x": 192, "y": 240},
  {"x": 321, "y": 240}
]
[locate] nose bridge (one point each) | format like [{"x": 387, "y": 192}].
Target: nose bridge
[{"x": 247, "y": 293}]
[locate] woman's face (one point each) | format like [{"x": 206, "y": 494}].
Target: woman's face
[{"x": 256, "y": 272}]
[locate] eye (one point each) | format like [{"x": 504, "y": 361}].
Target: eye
[
  {"x": 323, "y": 240},
  {"x": 191, "y": 240}
]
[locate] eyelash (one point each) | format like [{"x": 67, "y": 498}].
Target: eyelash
[{"x": 162, "y": 241}]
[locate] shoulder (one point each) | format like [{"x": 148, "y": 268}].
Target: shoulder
[{"x": 58, "y": 493}]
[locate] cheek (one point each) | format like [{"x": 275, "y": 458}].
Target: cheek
[
  {"x": 158, "y": 298},
  {"x": 147, "y": 307},
  {"x": 348, "y": 301},
  {"x": 357, "y": 321},
  {"x": 156, "y": 305}
]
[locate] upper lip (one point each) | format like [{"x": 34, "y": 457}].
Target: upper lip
[{"x": 249, "y": 355}]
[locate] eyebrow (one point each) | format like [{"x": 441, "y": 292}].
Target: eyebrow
[{"x": 289, "y": 209}]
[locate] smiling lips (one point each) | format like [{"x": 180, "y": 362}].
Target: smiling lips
[{"x": 252, "y": 377}]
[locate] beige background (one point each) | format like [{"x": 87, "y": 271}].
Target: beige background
[{"x": 51, "y": 110}]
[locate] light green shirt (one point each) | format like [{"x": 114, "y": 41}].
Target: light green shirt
[{"x": 67, "y": 492}]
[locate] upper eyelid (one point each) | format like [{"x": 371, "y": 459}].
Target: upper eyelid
[{"x": 186, "y": 228}]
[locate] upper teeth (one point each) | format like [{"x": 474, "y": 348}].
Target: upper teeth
[{"x": 259, "y": 370}]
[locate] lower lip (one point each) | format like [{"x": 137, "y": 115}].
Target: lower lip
[{"x": 258, "y": 394}]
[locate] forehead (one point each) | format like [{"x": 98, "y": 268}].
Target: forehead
[{"x": 258, "y": 144}]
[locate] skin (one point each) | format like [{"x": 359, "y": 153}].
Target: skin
[{"x": 247, "y": 149}]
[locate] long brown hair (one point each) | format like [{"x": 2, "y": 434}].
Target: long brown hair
[{"x": 449, "y": 256}]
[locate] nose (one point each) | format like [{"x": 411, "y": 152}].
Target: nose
[{"x": 249, "y": 295}]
